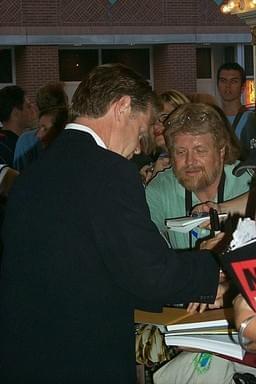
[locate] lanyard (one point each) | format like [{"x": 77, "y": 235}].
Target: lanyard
[{"x": 188, "y": 201}]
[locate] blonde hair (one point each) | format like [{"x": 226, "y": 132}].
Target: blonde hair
[
  {"x": 147, "y": 144},
  {"x": 174, "y": 97},
  {"x": 198, "y": 119}
]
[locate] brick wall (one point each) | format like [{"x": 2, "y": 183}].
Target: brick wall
[
  {"x": 43, "y": 13},
  {"x": 175, "y": 67},
  {"x": 123, "y": 13},
  {"x": 35, "y": 66}
]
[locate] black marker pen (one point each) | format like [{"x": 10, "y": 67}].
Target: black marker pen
[{"x": 214, "y": 222}]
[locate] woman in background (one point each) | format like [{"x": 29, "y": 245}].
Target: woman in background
[
  {"x": 154, "y": 145},
  {"x": 52, "y": 105}
]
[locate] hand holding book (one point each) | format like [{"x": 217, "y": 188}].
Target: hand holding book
[{"x": 218, "y": 303}]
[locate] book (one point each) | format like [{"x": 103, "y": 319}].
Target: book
[
  {"x": 222, "y": 330},
  {"x": 210, "y": 331},
  {"x": 173, "y": 319},
  {"x": 187, "y": 223},
  {"x": 225, "y": 344}
]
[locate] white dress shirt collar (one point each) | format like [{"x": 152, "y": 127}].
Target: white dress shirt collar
[{"x": 84, "y": 128}]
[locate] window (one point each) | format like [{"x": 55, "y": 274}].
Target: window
[
  {"x": 138, "y": 59},
  {"x": 6, "y": 66},
  {"x": 74, "y": 64},
  {"x": 203, "y": 63},
  {"x": 229, "y": 54},
  {"x": 248, "y": 60}
]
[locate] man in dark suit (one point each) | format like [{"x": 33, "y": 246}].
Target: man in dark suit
[{"x": 80, "y": 250}]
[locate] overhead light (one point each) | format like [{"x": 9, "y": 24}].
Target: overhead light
[
  {"x": 225, "y": 8},
  {"x": 236, "y": 6}
]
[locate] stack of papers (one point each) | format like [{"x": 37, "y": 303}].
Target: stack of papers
[
  {"x": 224, "y": 344},
  {"x": 244, "y": 234},
  {"x": 208, "y": 331}
]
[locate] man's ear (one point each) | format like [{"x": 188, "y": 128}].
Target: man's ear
[
  {"x": 243, "y": 88},
  {"x": 122, "y": 107}
]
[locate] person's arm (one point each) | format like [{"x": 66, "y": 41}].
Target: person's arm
[
  {"x": 245, "y": 320},
  {"x": 146, "y": 173},
  {"x": 212, "y": 244},
  {"x": 248, "y": 134},
  {"x": 236, "y": 205},
  {"x": 135, "y": 254},
  {"x": 160, "y": 164}
]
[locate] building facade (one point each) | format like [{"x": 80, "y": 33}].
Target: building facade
[{"x": 174, "y": 44}]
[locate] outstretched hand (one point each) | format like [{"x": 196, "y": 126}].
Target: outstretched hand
[{"x": 205, "y": 207}]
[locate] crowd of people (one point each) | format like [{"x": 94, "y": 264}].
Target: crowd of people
[{"x": 84, "y": 240}]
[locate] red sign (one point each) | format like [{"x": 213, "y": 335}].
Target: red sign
[{"x": 245, "y": 272}]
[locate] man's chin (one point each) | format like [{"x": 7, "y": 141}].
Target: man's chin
[
  {"x": 229, "y": 98},
  {"x": 190, "y": 187},
  {"x": 192, "y": 184},
  {"x": 189, "y": 184}
]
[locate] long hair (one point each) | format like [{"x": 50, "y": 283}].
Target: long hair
[{"x": 174, "y": 97}]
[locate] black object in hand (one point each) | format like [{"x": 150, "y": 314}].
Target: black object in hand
[{"x": 214, "y": 221}]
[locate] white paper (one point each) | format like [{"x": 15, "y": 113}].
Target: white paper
[
  {"x": 244, "y": 234},
  {"x": 187, "y": 223},
  {"x": 222, "y": 344}
]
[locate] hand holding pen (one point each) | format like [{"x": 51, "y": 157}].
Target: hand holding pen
[
  {"x": 214, "y": 222},
  {"x": 205, "y": 207}
]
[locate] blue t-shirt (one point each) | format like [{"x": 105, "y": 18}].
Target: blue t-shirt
[
  {"x": 27, "y": 149},
  {"x": 245, "y": 130}
]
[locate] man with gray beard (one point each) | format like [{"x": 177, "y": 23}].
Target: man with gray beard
[{"x": 203, "y": 153}]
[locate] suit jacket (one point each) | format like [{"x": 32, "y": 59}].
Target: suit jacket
[{"x": 80, "y": 253}]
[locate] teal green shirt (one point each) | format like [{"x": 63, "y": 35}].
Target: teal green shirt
[{"x": 166, "y": 199}]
